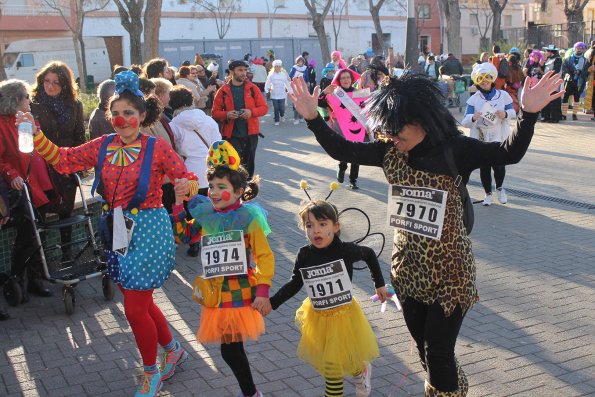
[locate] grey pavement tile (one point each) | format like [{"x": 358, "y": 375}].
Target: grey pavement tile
[{"x": 530, "y": 335}]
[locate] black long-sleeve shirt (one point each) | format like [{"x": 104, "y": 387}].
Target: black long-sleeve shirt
[
  {"x": 311, "y": 256},
  {"x": 469, "y": 153}
]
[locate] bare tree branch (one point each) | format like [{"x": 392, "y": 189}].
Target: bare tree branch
[{"x": 221, "y": 11}]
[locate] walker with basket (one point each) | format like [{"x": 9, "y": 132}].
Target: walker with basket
[{"x": 84, "y": 260}]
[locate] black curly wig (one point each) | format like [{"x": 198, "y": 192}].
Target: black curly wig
[{"x": 410, "y": 99}]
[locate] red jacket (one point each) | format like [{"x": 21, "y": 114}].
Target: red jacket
[
  {"x": 13, "y": 163},
  {"x": 253, "y": 101}
]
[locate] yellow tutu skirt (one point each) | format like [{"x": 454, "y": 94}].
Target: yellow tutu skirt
[
  {"x": 229, "y": 325},
  {"x": 336, "y": 342}
]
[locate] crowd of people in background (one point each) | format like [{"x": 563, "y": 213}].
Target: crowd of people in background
[{"x": 192, "y": 112}]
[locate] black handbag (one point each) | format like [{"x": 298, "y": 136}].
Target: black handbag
[{"x": 468, "y": 214}]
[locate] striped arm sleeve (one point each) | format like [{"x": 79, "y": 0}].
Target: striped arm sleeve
[{"x": 46, "y": 149}]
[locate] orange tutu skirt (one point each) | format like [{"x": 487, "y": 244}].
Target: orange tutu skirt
[{"x": 229, "y": 325}]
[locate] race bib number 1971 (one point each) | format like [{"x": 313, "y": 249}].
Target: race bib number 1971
[
  {"x": 223, "y": 254},
  {"x": 327, "y": 285},
  {"x": 417, "y": 210}
]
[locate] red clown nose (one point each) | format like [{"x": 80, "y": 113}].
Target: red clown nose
[{"x": 118, "y": 122}]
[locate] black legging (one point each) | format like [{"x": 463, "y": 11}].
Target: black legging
[
  {"x": 25, "y": 256},
  {"x": 235, "y": 356},
  {"x": 246, "y": 148},
  {"x": 485, "y": 173},
  {"x": 435, "y": 336},
  {"x": 353, "y": 171}
]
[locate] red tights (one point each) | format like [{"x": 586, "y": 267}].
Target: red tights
[{"x": 147, "y": 322}]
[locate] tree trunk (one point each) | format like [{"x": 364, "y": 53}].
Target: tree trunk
[
  {"x": 496, "y": 30},
  {"x": 497, "y": 9},
  {"x": 377, "y": 27},
  {"x": 152, "y": 21},
  {"x": 452, "y": 14},
  {"x": 79, "y": 62},
  {"x": 2, "y": 71},
  {"x": 83, "y": 60},
  {"x": 136, "y": 55},
  {"x": 318, "y": 25},
  {"x": 130, "y": 16}
]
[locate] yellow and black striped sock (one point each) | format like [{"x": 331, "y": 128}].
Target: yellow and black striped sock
[{"x": 333, "y": 387}]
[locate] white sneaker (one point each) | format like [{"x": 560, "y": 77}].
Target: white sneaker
[
  {"x": 276, "y": 123},
  {"x": 296, "y": 121},
  {"x": 502, "y": 198},
  {"x": 487, "y": 200},
  {"x": 363, "y": 382},
  {"x": 283, "y": 119}
]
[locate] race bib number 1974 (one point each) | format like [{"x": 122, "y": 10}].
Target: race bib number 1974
[{"x": 223, "y": 254}]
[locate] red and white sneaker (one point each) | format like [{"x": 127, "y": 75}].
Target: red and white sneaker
[
  {"x": 171, "y": 360},
  {"x": 363, "y": 382}
]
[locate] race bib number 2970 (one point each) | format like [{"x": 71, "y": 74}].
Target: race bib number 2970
[{"x": 417, "y": 210}]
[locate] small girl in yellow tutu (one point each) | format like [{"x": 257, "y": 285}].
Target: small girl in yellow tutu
[
  {"x": 238, "y": 263},
  {"x": 337, "y": 339}
]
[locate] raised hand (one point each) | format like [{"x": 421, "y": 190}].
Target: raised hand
[
  {"x": 536, "y": 97},
  {"x": 22, "y": 117},
  {"x": 305, "y": 103}
]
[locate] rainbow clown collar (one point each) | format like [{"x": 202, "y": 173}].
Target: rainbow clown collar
[{"x": 223, "y": 154}]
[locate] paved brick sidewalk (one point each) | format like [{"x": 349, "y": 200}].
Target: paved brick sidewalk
[{"x": 530, "y": 335}]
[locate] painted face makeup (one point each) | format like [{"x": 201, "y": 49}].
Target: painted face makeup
[
  {"x": 126, "y": 120},
  {"x": 221, "y": 193},
  {"x": 320, "y": 232}
]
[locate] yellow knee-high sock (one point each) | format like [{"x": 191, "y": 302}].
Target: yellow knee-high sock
[{"x": 575, "y": 106}]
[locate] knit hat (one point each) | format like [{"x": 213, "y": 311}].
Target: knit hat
[
  {"x": 277, "y": 62},
  {"x": 486, "y": 68}
]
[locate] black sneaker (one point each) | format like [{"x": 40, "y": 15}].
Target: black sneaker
[
  {"x": 574, "y": 117},
  {"x": 563, "y": 117},
  {"x": 37, "y": 287},
  {"x": 353, "y": 186},
  {"x": 194, "y": 250},
  {"x": 340, "y": 176},
  {"x": 4, "y": 315}
]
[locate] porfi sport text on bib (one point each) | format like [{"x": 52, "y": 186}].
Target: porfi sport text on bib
[
  {"x": 223, "y": 254},
  {"x": 417, "y": 210},
  {"x": 327, "y": 285}
]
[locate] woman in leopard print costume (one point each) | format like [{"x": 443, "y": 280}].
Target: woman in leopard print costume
[{"x": 434, "y": 275}]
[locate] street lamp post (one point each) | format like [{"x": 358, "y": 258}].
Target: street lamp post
[{"x": 411, "y": 53}]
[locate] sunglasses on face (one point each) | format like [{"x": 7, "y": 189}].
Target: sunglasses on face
[
  {"x": 50, "y": 82},
  {"x": 481, "y": 78}
]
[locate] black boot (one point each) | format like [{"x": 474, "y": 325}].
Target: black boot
[
  {"x": 37, "y": 287},
  {"x": 341, "y": 176},
  {"x": 194, "y": 250},
  {"x": 4, "y": 315}
]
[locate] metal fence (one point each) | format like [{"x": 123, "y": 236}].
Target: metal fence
[
  {"x": 286, "y": 49},
  {"x": 562, "y": 35}
]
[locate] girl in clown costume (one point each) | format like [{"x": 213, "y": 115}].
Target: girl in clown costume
[
  {"x": 132, "y": 167},
  {"x": 488, "y": 113},
  {"x": 234, "y": 236},
  {"x": 346, "y": 117}
]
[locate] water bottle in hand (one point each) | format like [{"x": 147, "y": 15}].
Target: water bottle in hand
[{"x": 25, "y": 137}]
